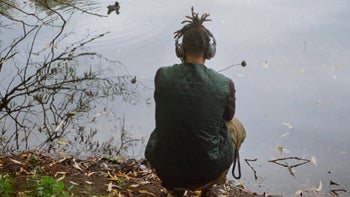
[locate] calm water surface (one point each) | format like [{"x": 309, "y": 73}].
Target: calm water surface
[
  {"x": 293, "y": 94},
  {"x": 292, "y": 97}
]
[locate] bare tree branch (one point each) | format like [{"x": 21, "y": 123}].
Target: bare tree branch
[{"x": 46, "y": 92}]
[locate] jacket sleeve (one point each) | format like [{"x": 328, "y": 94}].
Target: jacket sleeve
[
  {"x": 156, "y": 77},
  {"x": 231, "y": 104}
]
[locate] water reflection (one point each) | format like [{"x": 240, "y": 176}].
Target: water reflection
[
  {"x": 296, "y": 77},
  {"x": 62, "y": 5},
  {"x": 297, "y": 74},
  {"x": 49, "y": 7}
]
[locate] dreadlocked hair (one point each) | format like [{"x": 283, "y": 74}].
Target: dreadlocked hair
[{"x": 195, "y": 36}]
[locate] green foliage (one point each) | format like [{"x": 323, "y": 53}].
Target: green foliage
[
  {"x": 6, "y": 187},
  {"x": 49, "y": 186}
]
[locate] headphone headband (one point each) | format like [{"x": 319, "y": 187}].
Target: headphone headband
[{"x": 210, "y": 53}]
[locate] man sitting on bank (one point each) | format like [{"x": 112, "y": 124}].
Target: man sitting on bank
[{"x": 191, "y": 146}]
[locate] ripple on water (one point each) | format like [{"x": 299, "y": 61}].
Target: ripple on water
[{"x": 139, "y": 24}]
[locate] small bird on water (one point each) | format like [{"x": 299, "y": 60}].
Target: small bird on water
[{"x": 114, "y": 7}]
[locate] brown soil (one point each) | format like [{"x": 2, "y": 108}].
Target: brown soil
[{"x": 96, "y": 176}]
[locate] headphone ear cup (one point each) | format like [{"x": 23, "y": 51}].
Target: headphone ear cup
[
  {"x": 211, "y": 51},
  {"x": 179, "y": 49}
]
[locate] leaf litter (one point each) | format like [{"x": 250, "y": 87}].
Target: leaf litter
[{"x": 102, "y": 176}]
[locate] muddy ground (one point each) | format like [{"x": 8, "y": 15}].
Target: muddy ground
[{"x": 97, "y": 176}]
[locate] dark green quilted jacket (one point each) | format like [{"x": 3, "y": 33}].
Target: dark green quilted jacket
[{"x": 190, "y": 141}]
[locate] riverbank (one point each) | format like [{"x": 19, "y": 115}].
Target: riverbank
[{"x": 95, "y": 176}]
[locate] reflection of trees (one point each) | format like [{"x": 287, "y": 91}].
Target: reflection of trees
[
  {"x": 65, "y": 5},
  {"x": 47, "y": 6},
  {"x": 51, "y": 93}
]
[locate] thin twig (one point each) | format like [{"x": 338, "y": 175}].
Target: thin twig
[
  {"x": 251, "y": 167},
  {"x": 227, "y": 67},
  {"x": 82, "y": 10},
  {"x": 286, "y": 165}
]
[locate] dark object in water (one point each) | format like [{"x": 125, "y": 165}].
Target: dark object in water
[
  {"x": 243, "y": 63},
  {"x": 133, "y": 80},
  {"x": 114, "y": 7}
]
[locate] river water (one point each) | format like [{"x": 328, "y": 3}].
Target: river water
[{"x": 292, "y": 97}]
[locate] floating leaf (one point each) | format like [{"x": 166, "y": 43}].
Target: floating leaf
[
  {"x": 313, "y": 160},
  {"x": 59, "y": 125},
  {"x": 299, "y": 193},
  {"x": 266, "y": 64},
  {"x": 241, "y": 185},
  {"x": 320, "y": 186},
  {"x": 319, "y": 103},
  {"x": 291, "y": 171},
  {"x": 62, "y": 142},
  {"x": 287, "y": 124},
  {"x": 336, "y": 67},
  {"x": 71, "y": 113},
  {"x": 285, "y": 134},
  {"x": 280, "y": 148},
  {"x": 266, "y": 115}
]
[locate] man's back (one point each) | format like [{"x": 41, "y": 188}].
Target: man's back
[{"x": 190, "y": 141}]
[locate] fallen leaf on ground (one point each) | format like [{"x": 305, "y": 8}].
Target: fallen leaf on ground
[
  {"x": 109, "y": 187},
  {"x": 142, "y": 191},
  {"x": 62, "y": 177},
  {"x": 90, "y": 174},
  {"x": 73, "y": 183},
  {"x": 76, "y": 165},
  {"x": 15, "y": 161}
]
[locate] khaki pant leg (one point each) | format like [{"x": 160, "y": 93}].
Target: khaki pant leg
[{"x": 238, "y": 132}]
